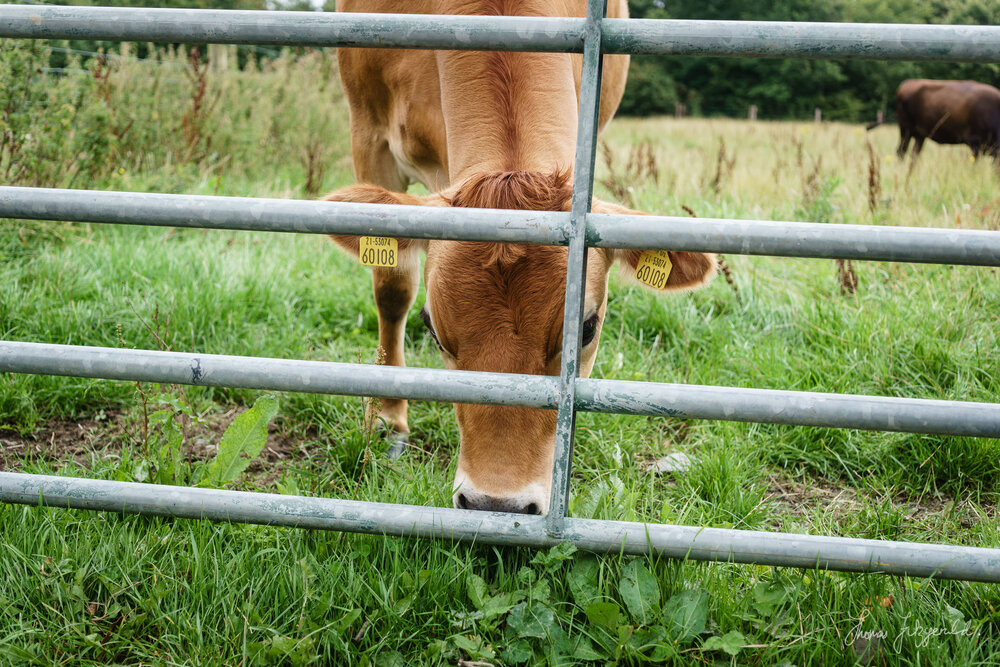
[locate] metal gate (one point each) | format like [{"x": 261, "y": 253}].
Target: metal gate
[{"x": 593, "y": 36}]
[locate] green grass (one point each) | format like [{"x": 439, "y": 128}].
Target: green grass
[{"x": 100, "y": 588}]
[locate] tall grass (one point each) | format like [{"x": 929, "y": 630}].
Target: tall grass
[
  {"x": 102, "y": 588},
  {"x": 181, "y": 118}
]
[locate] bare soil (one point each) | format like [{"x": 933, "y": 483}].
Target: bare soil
[
  {"x": 801, "y": 497},
  {"x": 80, "y": 442}
]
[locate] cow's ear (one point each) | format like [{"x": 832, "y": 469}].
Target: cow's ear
[
  {"x": 372, "y": 194},
  {"x": 684, "y": 270}
]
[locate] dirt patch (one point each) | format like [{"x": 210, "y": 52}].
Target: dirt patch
[
  {"x": 61, "y": 441},
  {"x": 803, "y": 498},
  {"x": 86, "y": 440}
]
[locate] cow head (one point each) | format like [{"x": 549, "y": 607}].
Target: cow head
[{"x": 498, "y": 307}]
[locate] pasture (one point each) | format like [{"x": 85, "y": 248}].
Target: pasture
[{"x": 89, "y": 588}]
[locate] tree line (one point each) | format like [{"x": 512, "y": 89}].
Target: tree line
[{"x": 847, "y": 90}]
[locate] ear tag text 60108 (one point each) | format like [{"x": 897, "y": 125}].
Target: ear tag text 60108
[
  {"x": 653, "y": 268},
  {"x": 379, "y": 251}
]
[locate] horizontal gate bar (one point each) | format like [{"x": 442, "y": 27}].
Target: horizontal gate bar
[
  {"x": 796, "y": 239},
  {"x": 909, "y": 415},
  {"x": 780, "y": 39},
  {"x": 802, "y": 408},
  {"x": 283, "y": 215},
  {"x": 748, "y": 237},
  {"x": 317, "y": 377},
  {"x": 419, "y": 31},
  {"x": 702, "y": 544},
  {"x": 879, "y": 41}
]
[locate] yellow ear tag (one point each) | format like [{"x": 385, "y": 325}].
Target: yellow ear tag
[
  {"x": 653, "y": 268},
  {"x": 379, "y": 251}
]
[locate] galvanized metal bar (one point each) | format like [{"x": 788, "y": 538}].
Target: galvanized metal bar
[
  {"x": 743, "y": 237},
  {"x": 666, "y": 37},
  {"x": 877, "y": 413},
  {"x": 796, "y": 239},
  {"x": 684, "y": 542},
  {"x": 576, "y": 265},
  {"x": 530, "y": 391},
  {"x": 122, "y": 24},
  {"x": 284, "y": 215},
  {"x": 773, "y": 39},
  {"x": 319, "y": 377}
]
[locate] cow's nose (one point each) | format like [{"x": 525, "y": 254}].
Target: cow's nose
[{"x": 521, "y": 503}]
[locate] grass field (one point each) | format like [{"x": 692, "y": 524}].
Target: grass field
[{"x": 99, "y": 588}]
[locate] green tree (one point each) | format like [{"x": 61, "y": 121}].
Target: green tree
[{"x": 791, "y": 88}]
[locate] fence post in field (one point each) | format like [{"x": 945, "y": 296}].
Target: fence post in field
[
  {"x": 752, "y": 115},
  {"x": 818, "y": 115}
]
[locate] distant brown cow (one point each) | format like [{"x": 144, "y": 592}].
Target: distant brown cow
[{"x": 949, "y": 112}]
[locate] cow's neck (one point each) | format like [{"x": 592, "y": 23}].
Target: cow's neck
[{"x": 507, "y": 111}]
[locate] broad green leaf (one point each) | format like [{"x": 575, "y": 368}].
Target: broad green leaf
[
  {"x": 954, "y": 620},
  {"x": 686, "y": 614},
  {"x": 768, "y": 596},
  {"x": 583, "y": 649},
  {"x": 519, "y": 619},
  {"x": 292, "y": 650},
  {"x": 465, "y": 619},
  {"x": 242, "y": 442},
  {"x": 390, "y": 659},
  {"x": 583, "y": 582},
  {"x": 608, "y": 492},
  {"x": 140, "y": 473},
  {"x": 500, "y": 604},
  {"x": 953, "y": 615},
  {"x": 731, "y": 642},
  {"x": 536, "y": 621},
  {"x": 518, "y": 652},
  {"x": 640, "y": 592},
  {"x": 646, "y": 639},
  {"x": 161, "y": 416},
  {"x": 541, "y": 591},
  {"x": 348, "y": 620},
  {"x": 477, "y": 590},
  {"x": 559, "y": 647},
  {"x": 584, "y": 504},
  {"x": 467, "y": 644},
  {"x": 606, "y": 614},
  {"x": 555, "y": 556},
  {"x": 437, "y": 649},
  {"x": 662, "y": 653},
  {"x": 289, "y": 487},
  {"x": 473, "y": 646},
  {"x": 170, "y": 463},
  {"x": 403, "y": 606}
]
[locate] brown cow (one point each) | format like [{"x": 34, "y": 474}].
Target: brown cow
[
  {"x": 949, "y": 112},
  {"x": 491, "y": 130}
]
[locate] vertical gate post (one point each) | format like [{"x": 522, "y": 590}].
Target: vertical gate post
[{"x": 576, "y": 267}]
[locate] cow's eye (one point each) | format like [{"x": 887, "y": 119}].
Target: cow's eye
[{"x": 589, "y": 329}]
